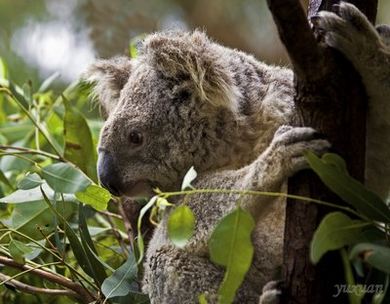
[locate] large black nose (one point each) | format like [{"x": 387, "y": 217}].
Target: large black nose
[{"x": 108, "y": 173}]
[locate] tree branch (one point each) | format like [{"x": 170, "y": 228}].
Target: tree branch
[
  {"x": 82, "y": 293},
  {"x": 296, "y": 35},
  {"x": 33, "y": 290},
  {"x": 330, "y": 98}
]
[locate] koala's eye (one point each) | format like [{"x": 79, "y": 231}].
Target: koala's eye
[
  {"x": 183, "y": 95},
  {"x": 135, "y": 138}
]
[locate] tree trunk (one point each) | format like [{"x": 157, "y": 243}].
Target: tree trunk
[{"x": 330, "y": 98}]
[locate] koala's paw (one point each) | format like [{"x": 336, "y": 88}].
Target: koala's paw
[
  {"x": 271, "y": 294},
  {"x": 289, "y": 144},
  {"x": 349, "y": 31},
  {"x": 384, "y": 31}
]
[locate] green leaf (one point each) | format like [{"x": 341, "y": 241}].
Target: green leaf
[
  {"x": 65, "y": 178},
  {"x": 34, "y": 217},
  {"x": 48, "y": 82},
  {"x": 376, "y": 255},
  {"x": 181, "y": 225},
  {"x": 89, "y": 247},
  {"x": 133, "y": 50},
  {"x": 133, "y": 298},
  {"x": 5, "y": 180},
  {"x": 95, "y": 196},
  {"x": 140, "y": 239},
  {"x": 16, "y": 132},
  {"x": 18, "y": 93},
  {"x": 335, "y": 231},
  {"x": 122, "y": 281},
  {"x": 3, "y": 69},
  {"x": 33, "y": 195},
  {"x": 18, "y": 250},
  {"x": 380, "y": 295},
  {"x": 188, "y": 179},
  {"x": 30, "y": 181},
  {"x": 79, "y": 147},
  {"x": 78, "y": 250},
  {"x": 202, "y": 299},
  {"x": 230, "y": 246},
  {"x": 349, "y": 189}
]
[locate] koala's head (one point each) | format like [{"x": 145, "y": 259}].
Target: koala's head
[{"x": 165, "y": 110}]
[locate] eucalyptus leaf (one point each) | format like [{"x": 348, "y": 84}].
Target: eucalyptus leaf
[
  {"x": 77, "y": 247},
  {"x": 202, "y": 299},
  {"x": 30, "y": 181},
  {"x": 380, "y": 296},
  {"x": 48, "y": 82},
  {"x": 35, "y": 219},
  {"x": 230, "y": 246},
  {"x": 89, "y": 247},
  {"x": 65, "y": 178},
  {"x": 122, "y": 281},
  {"x": 335, "y": 231},
  {"x": 189, "y": 178},
  {"x": 140, "y": 239},
  {"x": 18, "y": 250},
  {"x": 377, "y": 256},
  {"x": 181, "y": 224},
  {"x": 349, "y": 189},
  {"x": 33, "y": 195},
  {"x": 94, "y": 196},
  {"x": 79, "y": 147},
  {"x": 5, "y": 180},
  {"x": 133, "y": 298},
  {"x": 3, "y": 69}
]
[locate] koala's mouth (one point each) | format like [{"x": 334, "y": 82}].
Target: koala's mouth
[{"x": 142, "y": 188}]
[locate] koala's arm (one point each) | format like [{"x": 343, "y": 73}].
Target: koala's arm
[
  {"x": 169, "y": 270},
  {"x": 269, "y": 171},
  {"x": 369, "y": 51}
]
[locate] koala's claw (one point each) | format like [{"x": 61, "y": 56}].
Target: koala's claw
[
  {"x": 290, "y": 143},
  {"x": 349, "y": 31},
  {"x": 272, "y": 293},
  {"x": 384, "y": 31}
]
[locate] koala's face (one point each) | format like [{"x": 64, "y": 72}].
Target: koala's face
[
  {"x": 158, "y": 123},
  {"x": 149, "y": 136}
]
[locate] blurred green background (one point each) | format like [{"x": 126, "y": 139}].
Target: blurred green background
[{"x": 41, "y": 37}]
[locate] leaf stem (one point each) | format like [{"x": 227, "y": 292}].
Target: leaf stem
[
  {"x": 23, "y": 150},
  {"x": 261, "y": 193},
  {"x": 59, "y": 279},
  {"x": 36, "y": 124}
]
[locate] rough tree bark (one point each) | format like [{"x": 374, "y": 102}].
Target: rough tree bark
[{"x": 330, "y": 98}]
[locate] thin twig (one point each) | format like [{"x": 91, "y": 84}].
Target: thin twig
[
  {"x": 30, "y": 151},
  {"x": 34, "y": 290},
  {"x": 56, "y": 278},
  {"x": 117, "y": 235},
  {"x": 108, "y": 213},
  {"x": 29, "y": 115},
  {"x": 127, "y": 224}
]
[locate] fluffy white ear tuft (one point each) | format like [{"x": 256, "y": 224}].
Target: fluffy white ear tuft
[
  {"x": 195, "y": 56},
  {"x": 108, "y": 77}
]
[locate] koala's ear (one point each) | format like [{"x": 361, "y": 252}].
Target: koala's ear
[
  {"x": 108, "y": 77},
  {"x": 193, "y": 55}
]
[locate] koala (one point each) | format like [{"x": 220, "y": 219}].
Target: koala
[{"x": 188, "y": 101}]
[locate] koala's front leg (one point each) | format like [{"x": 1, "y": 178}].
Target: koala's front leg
[
  {"x": 350, "y": 32},
  {"x": 175, "y": 275},
  {"x": 280, "y": 160}
]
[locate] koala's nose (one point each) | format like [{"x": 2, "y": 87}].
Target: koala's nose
[{"x": 108, "y": 173}]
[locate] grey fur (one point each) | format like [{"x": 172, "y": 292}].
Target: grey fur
[{"x": 200, "y": 104}]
